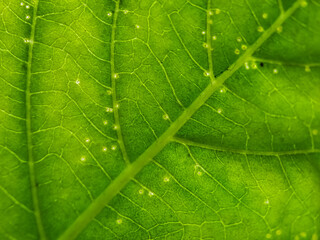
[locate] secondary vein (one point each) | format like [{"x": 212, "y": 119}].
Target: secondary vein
[
  {"x": 34, "y": 190},
  {"x": 113, "y": 85},
  {"x": 131, "y": 170}
]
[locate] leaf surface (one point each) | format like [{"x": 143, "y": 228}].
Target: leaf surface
[{"x": 167, "y": 119}]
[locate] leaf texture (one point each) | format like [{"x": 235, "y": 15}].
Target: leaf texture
[{"x": 160, "y": 119}]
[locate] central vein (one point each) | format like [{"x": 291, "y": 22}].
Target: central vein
[{"x": 131, "y": 170}]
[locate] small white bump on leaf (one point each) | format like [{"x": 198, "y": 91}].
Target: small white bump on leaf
[
  {"x": 109, "y": 109},
  {"x": 117, "y": 105},
  {"x": 141, "y": 191},
  {"x": 109, "y": 14},
  {"x": 165, "y": 116},
  {"x": 199, "y": 173},
  {"x": 214, "y": 37},
  {"x": 125, "y": 11},
  {"x": 219, "y": 110},
  {"x": 115, "y": 127},
  {"x": 166, "y": 179},
  {"x": 244, "y": 47},
  {"x": 104, "y": 149},
  {"x": 115, "y": 75},
  {"x": 266, "y": 201},
  {"x": 210, "y": 12},
  {"x": 87, "y": 140},
  {"x": 203, "y": 32},
  {"x": 206, "y": 74},
  {"x": 27, "y": 6},
  {"x": 137, "y": 26},
  {"x": 246, "y": 65},
  {"x": 113, "y": 147},
  {"x": 265, "y": 15},
  {"x": 83, "y": 158},
  {"x": 27, "y": 17},
  {"x": 222, "y": 90},
  {"x": 239, "y": 39},
  {"x": 278, "y": 232},
  {"x": 105, "y": 122},
  {"x": 150, "y": 194},
  {"x": 21, "y": 4},
  {"x": 275, "y": 71},
  {"x": 205, "y": 45},
  {"x": 119, "y": 221},
  {"x": 260, "y": 29},
  {"x": 77, "y": 81}
]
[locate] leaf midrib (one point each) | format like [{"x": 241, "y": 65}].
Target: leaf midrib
[
  {"x": 131, "y": 170},
  {"x": 34, "y": 190}
]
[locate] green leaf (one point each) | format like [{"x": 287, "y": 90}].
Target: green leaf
[{"x": 160, "y": 119}]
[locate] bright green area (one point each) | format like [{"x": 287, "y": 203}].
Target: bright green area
[{"x": 160, "y": 119}]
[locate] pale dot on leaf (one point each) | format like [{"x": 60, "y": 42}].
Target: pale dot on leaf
[
  {"x": 109, "y": 109},
  {"x": 109, "y": 14},
  {"x": 203, "y": 32},
  {"x": 104, "y": 149},
  {"x": 279, "y": 29},
  {"x": 244, "y": 47},
  {"x": 115, "y": 127},
  {"x": 275, "y": 71},
  {"x": 260, "y": 29},
  {"x": 115, "y": 75},
  {"x": 199, "y": 173},
  {"x": 219, "y": 110},
  {"x": 27, "y": 17},
  {"x": 137, "y": 26},
  {"x": 87, "y": 140},
  {"x": 207, "y": 74},
  {"x": 205, "y": 45},
  {"x": 304, "y": 4},
  {"x": 315, "y": 131},
  {"x": 239, "y": 39},
  {"x": 246, "y": 65},
  {"x": 303, "y": 234},
  {"x": 113, "y": 147},
  {"x": 119, "y": 221},
  {"x": 307, "y": 68},
  {"x": 314, "y": 236},
  {"x": 166, "y": 179},
  {"x": 78, "y": 81},
  {"x": 237, "y": 51},
  {"x": 105, "y": 122},
  {"x": 214, "y": 37},
  {"x": 268, "y": 235},
  {"x": 165, "y": 116},
  {"x": 218, "y": 11},
  {"x": 27, "y": 7},
  {"x": 265, "y": 15},
  {"x": 21, "y": 4},
  {"x": 266, "y": 201},
  {"x": 150, "y": 194},
  {"x": 141, "y": 191},
  {"x": 210, "y": 12},
  {"x": 83, "y": 158},
  {"x": 125, "y": 11},
  {"x": 117, "y": 105},
  {"x": 278, "y": 232},
  {"x": 222, "y": 90},
  {"x": 254, "y": 66}
]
